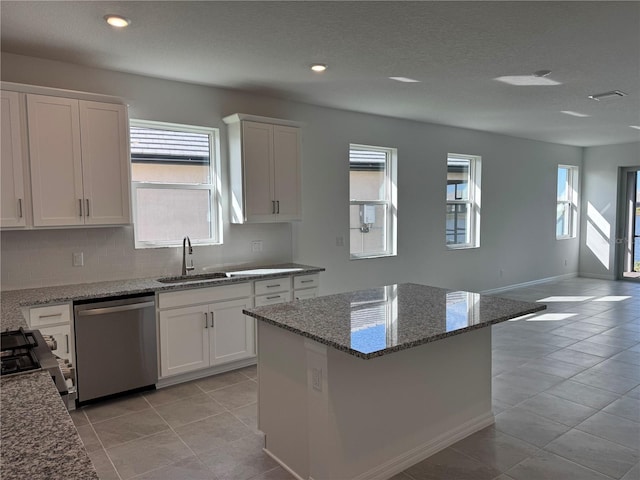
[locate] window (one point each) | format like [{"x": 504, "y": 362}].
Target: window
[
  {"x": 373, "y": 201},
  {"x": 175, "y": 184},
  {"x": 567, "y": 202},
  {"x": 463, "y": 201}
]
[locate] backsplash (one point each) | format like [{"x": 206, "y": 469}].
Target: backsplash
[{"x": 37, "y": 258}]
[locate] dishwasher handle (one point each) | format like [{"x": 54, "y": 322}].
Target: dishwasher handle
[{"x": 119, "y": 308}]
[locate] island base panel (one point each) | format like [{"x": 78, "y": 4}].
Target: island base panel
[{"x": 327, "y": 414}]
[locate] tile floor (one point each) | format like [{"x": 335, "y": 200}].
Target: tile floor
[{"x": 566, "y": 390}]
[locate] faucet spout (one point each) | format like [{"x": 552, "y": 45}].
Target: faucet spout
[{"x": 187, "y": 266}]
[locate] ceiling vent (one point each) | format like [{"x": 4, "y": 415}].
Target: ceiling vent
[{"x": 607, "y": 95}]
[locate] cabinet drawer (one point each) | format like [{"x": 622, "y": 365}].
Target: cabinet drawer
[
  {"x": 306, "y": 281},
  {"x": 273, "y": 285},
  {"x": 203, "y": 295},
  {"x": 305, "y": 294},
  {"x": 49, "y": 315},
  {"x": 273, "y": 299}
]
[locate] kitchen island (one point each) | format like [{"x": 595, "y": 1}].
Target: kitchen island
[{"x": 363, "y": 385}]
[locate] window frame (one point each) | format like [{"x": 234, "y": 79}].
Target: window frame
[
  {"x": 572, "y": 201},
  {"x": 215, "y": 187},
  {"x": 391, "y": 202},
  {"x": 472, "y": 202}
]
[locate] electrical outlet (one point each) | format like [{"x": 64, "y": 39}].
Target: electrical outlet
[
  {"x": 256, "y": 246},
  {"x": 565, "y": 262},
  {"x": 78, "y": 259},
  {"x": 316, "y": 378},
  {"x": 339, "y": 241},
  {"x": 501, "y": 273}
]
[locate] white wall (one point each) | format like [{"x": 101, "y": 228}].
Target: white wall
[
  {"x": 600, "y": 206},
  {"x": 518, "y": 195}
]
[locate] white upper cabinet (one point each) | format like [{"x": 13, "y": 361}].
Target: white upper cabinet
[
  {"x": 78, "y": 153},
  {"x": 105, "y": 163},
  {"x": 265, "y": 169},
  {"x": 12, "y": 202}
]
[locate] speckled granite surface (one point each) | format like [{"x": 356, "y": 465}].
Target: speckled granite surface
[
  {"x": 12, "y": 301},
  {"x": 39, "y": 440},
  {"x": 379, "y": 321}
]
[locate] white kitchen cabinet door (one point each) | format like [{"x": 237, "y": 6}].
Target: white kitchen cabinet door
[
  {"x": 233, "y": 334},
  {"x": 12, "y": 202},
  {"x": 286, "y": 174},
  {"x": 264, "y": 156},
  {"x": 257, "y": 152},
  {"x": 105, "y": 163},
  {"x": 55, "y": 159},
  {"x": 184, "y": 340}
]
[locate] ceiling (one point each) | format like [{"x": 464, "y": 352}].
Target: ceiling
[{"x": 454, "y": 48}]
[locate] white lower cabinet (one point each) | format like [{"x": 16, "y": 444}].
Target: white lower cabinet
[{"x": 200, "y": 336}]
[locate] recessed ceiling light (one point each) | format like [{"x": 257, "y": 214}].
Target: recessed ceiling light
[
  {"x": 117, "y": 21},
  {"x": 607, "y": 95},
  {"x": 318, "y": 67},
  {"x": 404, "y": 79},
  {"x": 527, "y": 80},
  {"x": 574, "y": 114},
  {"x": 637, "y": 127}
]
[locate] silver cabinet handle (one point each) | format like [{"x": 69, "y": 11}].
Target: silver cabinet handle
[
  {"x": 19, "y": 208},
  {"x": 80, "y": 203},
  {"x": 278, "y": 206},
  {"x": 206, "y": 320},
  {"x": 306, "y": 281},
  {"x": 273, "y": 296},
  {"x": 50, "y": 315},
  {"x": 66, "y": 336},
  {"x": 87, "y": 200},
  {"x": 212, "y": 320},
  {"x": 273, "y": 286}
]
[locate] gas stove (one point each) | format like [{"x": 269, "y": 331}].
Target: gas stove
[{"x": 24, "y": 351}]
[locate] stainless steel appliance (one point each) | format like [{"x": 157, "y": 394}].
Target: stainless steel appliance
[
  {"x": 24, "y": 351},
  {"x": 116, "y": 346}
]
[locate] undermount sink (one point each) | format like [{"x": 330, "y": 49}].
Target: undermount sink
[{"x": 193, "y": 278}]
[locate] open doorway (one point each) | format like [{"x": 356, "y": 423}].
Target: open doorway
[{"x": 628, "y": 241}]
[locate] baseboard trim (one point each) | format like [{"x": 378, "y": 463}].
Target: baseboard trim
[
  {"x": 400, "y": 463},
  {"x": 283, "y": 465},
  {"x": 597, "y": 276},
  {"x": 206, "y": 372},
  {"x": 566, "y": 276}
]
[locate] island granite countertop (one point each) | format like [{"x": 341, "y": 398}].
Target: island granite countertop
[
  {"x": 375, "y": 322},
  {"x": 38, "y": 437}
]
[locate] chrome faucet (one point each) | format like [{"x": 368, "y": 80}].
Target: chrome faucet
[{"x": 185, "y": 269}]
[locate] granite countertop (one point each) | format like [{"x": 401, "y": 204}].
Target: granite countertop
[
  {"x": 39, "y": 440},
  {"x": 12, "y": 301},
  {"x": 379, "y": 321}
]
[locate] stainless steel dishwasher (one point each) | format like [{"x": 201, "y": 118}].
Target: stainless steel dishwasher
[{"x": 116, "y": 346}]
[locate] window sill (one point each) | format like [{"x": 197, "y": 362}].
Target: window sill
[
  {"x": 367, "y": 257},
  {"x": 567, "y": 237},
  {"x": 142, "y": 246},
  {"x": 462, "y": 247}
]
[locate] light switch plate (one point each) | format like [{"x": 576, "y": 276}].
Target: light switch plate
[{"x": 256, "y": 246}]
